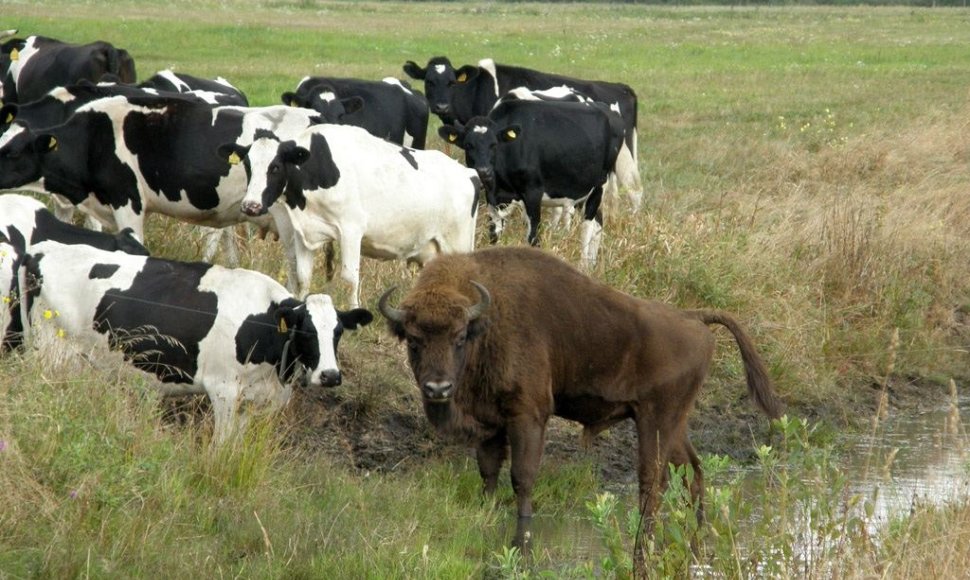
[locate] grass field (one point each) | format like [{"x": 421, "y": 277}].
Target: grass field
[{"x": 807, "y": 169}]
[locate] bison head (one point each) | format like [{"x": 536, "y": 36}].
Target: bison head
[{"x": 437, "y": 324}]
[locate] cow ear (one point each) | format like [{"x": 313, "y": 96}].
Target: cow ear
[
  {"x": 45, "y": 143},
  {"x": 352, "y": 104},
  {"x": 290, "y": 99},
  {"x": 289, "y": 315},
  {"x": 8, "y": 113},
  {"x": 354, "y": 318},
  {"x": 232, "y": 152},
  {"x": 466, "y": 73},
  {"x": 414, "y": 71},
  {"x": 510, "y": 133},
  {"x": 450, "y": 134},
  {"x": 293, "y": 154}
]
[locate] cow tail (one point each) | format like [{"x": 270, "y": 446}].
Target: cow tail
[{"x": 759, "y": 385}]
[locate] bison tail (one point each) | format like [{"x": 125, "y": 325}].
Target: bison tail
[{"x": 759, "y": 385}]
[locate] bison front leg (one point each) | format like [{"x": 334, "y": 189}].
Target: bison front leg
[
  {"x": 527, "y": 437},
  {"x": 491, "y": 454}
]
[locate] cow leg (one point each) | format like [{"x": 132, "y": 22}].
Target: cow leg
[
  {"x": 350, "y": 264},
  {"x": 496, "y": 222},
  {"x": 592, "y": 233},
  {"x": 491, "y": 454},
  {"x": 287, "y": 237},
  {"x": 533, "y": 212},
  {"x": 627, "y": 171},
  {"x": 125, "y": 217},
  {"x": 224, "y": 417}
]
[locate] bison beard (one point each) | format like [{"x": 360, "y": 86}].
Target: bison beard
[{"x": 501, "y": 339}]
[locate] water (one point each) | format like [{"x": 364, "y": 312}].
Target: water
[{"x": 927, "y": 464}]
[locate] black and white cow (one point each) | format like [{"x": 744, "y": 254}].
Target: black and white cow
[
  {"x": 388, "y": 109},
  {"x": 128, "y": 156},
  {"x": 474, "y": 90},
  {"x": 528, "y": 150},
  {"x": 235, "y": 335},
  {"x": 215, "y": 92},
  {"x": 26, "y": 221},
  {"x": 42, "y": 64},
  {"x": 7, "y": 47},
  {"x": 375, "y": 198},
  {"x": 10, "y": 322}
]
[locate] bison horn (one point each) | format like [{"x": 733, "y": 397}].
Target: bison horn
[
  {"x": 480, "y": 308},
  {"x": 389, "y": 312}
]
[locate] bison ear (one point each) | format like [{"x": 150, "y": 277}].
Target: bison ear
[
  {"x": 354, "y": 318},
  {"x": 414, "y": 71},
  {"x": 290, "y": 99},
  {"x": 232, "y": 152},
  {"x": 451, "y": 134},
  {"x": 352, "y": 104},
  {"x": 510, "y": 133},
  {"x": 8, "y": 113},
  {"x": 466, "y": 73}
]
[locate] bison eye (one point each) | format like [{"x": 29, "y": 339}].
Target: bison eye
[{"x": 460, "y": 340}]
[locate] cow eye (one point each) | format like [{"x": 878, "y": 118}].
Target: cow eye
[{"x": 274, "y": 169}]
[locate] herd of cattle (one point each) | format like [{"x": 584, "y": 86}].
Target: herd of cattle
[{"x": 498, "y": 340}]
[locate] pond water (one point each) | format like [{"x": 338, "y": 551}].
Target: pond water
[{"x": 930, "y": 464}]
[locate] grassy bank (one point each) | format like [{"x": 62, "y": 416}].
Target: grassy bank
[{"x": 804, "y": 168}]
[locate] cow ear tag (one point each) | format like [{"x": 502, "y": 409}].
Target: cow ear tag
[
  {"x": 9, "y": 118},
  {"x": 452, "y": 138},
  {"x": 510, "y": 134},
  {"x": 14, "y": 54},
  {"x": 234, "y": 158},
  {"x": 463, "y": 77},
  {"x": 53, "y": 144},
  {"x": 282, "y": 327}
]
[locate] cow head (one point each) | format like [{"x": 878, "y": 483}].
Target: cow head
[
  {"x": 313, "y": 329},
  {"x": 20, "y": 155},
  {"x": 438, "y": 324},
  {"x": 323, "y": 99},
  {"x": 441, "y": 80},
  {"x": 480, "y": 139},
  {"x": 276, "y": 168}
]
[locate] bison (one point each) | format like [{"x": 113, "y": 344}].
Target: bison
[{"x": 503, "y": 338}]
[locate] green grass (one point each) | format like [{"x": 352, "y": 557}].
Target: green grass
[{"x": 804, "y": 168}]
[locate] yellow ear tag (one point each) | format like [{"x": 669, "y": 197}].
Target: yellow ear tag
[
  {"x": 462, "y": 77},
  {"x": 452, "y": 138},
  {"x": 292, "y": 103},
  {"x": 14, "y": 54},
  {"x": 282, "y": 326},
  {"x": 53, "y": 144},
  {"x": 9, "y": 118},
  {"x": 510, "y": 134},
  {"x": 234, "y": 158}
]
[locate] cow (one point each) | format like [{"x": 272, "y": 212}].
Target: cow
[
  {"x": 215, "y": 92},
  {"x": 24, "y": 221},
  {"x": 375, "y": 198},
  {"x": 388, "y": 109},
  {"x": 42, "y": 63},
  {"x": 501, "y": 339},
  {"x": 234, "y": 335},
  {"x": 533, "y": 150},
  {"x": 10, "y": 322},
  {"x": 128, "y": 156},
  {"x": 473, "y": 91},
  {"x": 7, "y": 47}
]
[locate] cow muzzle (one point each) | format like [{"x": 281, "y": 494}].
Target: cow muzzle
[
  {"x": 437, "y": 391},
  {"x": 329, "y": 378},
  {"x": 252, "y": 208}
]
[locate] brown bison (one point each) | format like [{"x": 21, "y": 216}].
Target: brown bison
[{"x": 501, "y": 339}]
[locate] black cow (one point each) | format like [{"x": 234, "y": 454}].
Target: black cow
[
  {"x": 528, "y": 150},
  {"x": 235, "y": 335},
  {"x": 44, "y": 63},
  {"x": 388, "y": 109},
  {"x": 473, "y": 91}
]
